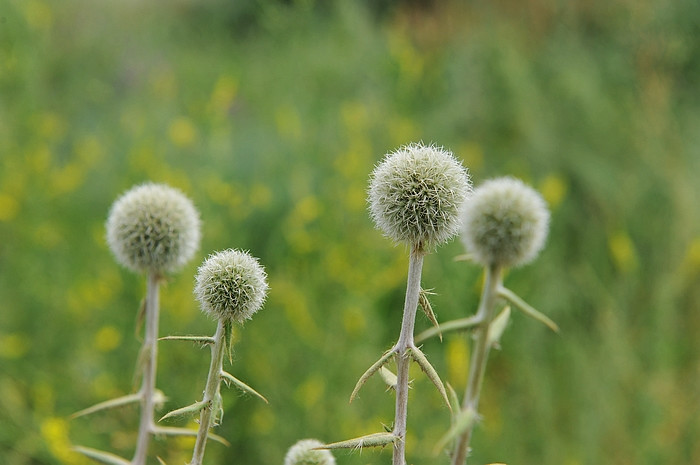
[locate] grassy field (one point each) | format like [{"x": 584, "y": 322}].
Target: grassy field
[{"x": 270, "y": 115}]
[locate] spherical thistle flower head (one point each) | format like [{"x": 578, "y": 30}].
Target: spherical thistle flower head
[
  {"x": 504, "y": 223},
  {"x": 153, "y": 227},
  {"x": 415, "y": 194},
  {"x": 302, "y": 453},
  {"x": 231, "y": 285}
]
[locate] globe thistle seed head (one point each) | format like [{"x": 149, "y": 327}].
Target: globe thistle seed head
[
  {"x": 153, "y": 227},
  {"x": 504, "y": 223},
  {"x": 231, "y": 285},
  {"x": 415, "y": 194},
  {"x": 302, "y": 453}
]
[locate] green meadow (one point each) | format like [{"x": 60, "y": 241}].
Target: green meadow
[{"x": 270, "y": 116}]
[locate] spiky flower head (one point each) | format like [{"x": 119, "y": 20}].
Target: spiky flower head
[
  {"x": 231, "y": 285},
  {"x": 504, "y": 223},
  {"x": 302, "y": 453},
  {"x": 415, "y": 194},
  {"x": 153, "y": 227}
]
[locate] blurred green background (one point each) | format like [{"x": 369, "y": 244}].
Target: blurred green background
[{"x": 270, "y": 115}]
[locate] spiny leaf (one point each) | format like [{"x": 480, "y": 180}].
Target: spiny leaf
[
  {"x": 526, "y": 308},
  {"x": 229, "y": 378},
  {"x": 203, "y": 340},
  {"x": 173, "y": 431},
  {"x": 370, "y": 371},
  {"x": 454, "y": 325},
  {"x": 113, "y": 403},
  {"x": 100, "y": 456},
  {"x": 498, "y": 325},
  {"x": 428, "y": 309},
  {"x": 454, "y": 399},
  {"x": 196, "y": 407},
  {"x": 370, "y": 440},
  {"x": 425, "y": 365},
  {"x": 388, "y": 376},
  {"x": 463, "y": 420}
]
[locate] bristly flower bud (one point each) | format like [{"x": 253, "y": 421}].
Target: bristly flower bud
[
  {"x": 231, "y": 285},
  {"x": 153, "y": 227},
  {"x": 415, "y": 194},
  {"x": 504, "y": 223},
  {"x": 302, "y": 453}
]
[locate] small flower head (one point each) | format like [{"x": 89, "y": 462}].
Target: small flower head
[
  {"x": 231, "y": 285},
  {"x": 415, "y": 194},
  {"x": 504, "y": 223},
  {"x": 302, "y": 453},
  {"x": 153, "y": 227}
]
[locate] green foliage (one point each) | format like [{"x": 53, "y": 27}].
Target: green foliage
[{"x": 272, "y": 127}]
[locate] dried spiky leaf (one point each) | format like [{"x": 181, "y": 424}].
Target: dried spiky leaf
[
  {"x": 425, "y": 365},
  {"x": 228, "y": 378},
  {"x": 371, "y": 370},
  {"x": 463, "y": 420},
  {"x": 370, "y": 440},
  {"x": 100, "y": 456},
  {"x": 498, "y": 325},
  {"x": 202, "y": 340},
  {"x": 526, "y": 308},
  {"x": 428, "y": 309},
  {"x": 194, "y": 408},
  {"x": 173, "y": 431},
  {"x": 461, "y": 324},
  {"x": 158, "y": 398}
]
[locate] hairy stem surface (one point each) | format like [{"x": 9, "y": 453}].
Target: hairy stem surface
[
  {"x": 480, "y": 353},
  {"x": 211, "y": 393},
  {"x": 150, "y": 360},
  {"x": 403, "y": 359}
]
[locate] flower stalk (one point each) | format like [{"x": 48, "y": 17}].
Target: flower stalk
[
  {"x": 149, "y": 366},
  {"x": 480, "y": 353}
]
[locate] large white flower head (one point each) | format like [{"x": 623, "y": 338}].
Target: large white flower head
[
  {"x": 231, "y": 285},
  {"x": 415, "y": 194},
  {"x": 153, "y": 227},
  {"x": 504, "y": 223},
  {"x": 302, "y": 453}
]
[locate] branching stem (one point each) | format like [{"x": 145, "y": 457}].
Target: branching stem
[
  {"x": 403, "y": 359},
  {"x": 477, "y": 366},
  {"x": 150, "y": 361},
  {"x": 212, "y": 393}
]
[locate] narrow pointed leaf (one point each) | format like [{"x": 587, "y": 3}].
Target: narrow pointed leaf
[
  {"x": 498, "y": 325},
  {"x": 428, "y": 309},
  {"x": 454, "y": 399},
  {"x": 463, "y": 258},
  {"x": 203, "y": 340},
  {"x": 425, "y": 365},
  {"x": 370, "y": 440},
  {"x": 173, "y": 431},
  {"x": 196, "y": 407},
  {"x": 463, "y": 420},
  {"x": 229, "y": 378},
  {"x": 100, "y": 456},
  {"x": 370, "y": 371},
  {"x": 527, "y": 309},
  {"x": 113, "y": 403},
  {"x": 161, "y": 461},
  {"x": 228, "y": 340},
  {"x": 388, "y": 376},
  {"x": 454, "y": 325}
]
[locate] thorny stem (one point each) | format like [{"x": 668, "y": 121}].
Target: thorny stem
[
  {"x": 148, "y": 381},
  {"x": 403, "y": 359},
  {"x": 211, "y": 393},
  {"x": 477, "y": 366}
]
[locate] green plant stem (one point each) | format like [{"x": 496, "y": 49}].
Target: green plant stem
[
  {"x": 480, "y": 353},
  {"x": 212, "y": 393},
  {"x": 150, "y": 360},
  {"x": 403, "y": 346}
]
